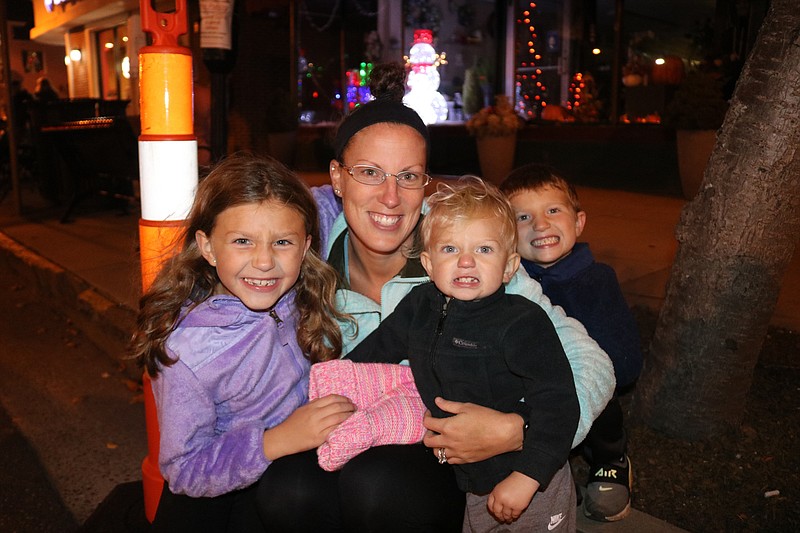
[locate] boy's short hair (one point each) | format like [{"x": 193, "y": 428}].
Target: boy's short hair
[
  {"x": 535, "y": 176},
  {"x": 469, "y": 198}
]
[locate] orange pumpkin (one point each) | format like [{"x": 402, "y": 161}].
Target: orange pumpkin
[
  {"x": 671, "y": 72},
  {"x": 632, "y": 80},
  {"x": 555, "y": 113}
]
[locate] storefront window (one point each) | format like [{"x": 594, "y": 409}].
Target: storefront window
[
  {"x": 562, "y": 60},
  {"x": 468, "y": 35},
  {"x": 331, "y": 49},
  {"x": 541, "y": 56},
  {"x": 114, "y": 63},
  {"x": 338, "y": 42}
]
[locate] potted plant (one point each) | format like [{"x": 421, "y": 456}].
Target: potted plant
[
  {"x": 696, "y": 111},
  {"x": 495, "y": 129}
]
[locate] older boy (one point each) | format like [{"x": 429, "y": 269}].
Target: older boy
[
  {"x": 468, "y": 340},
  {"x": 549, "y": 221}
]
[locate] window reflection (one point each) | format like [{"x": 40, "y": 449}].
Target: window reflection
[{"x": 114, "y": 63}]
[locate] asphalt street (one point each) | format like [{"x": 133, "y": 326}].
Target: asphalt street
[
  {"x": 71, "y": 423},
  {"x": 28, "y": 501}
]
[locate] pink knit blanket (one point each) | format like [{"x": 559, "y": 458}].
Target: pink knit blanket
[{"x": 388, "y": 407}]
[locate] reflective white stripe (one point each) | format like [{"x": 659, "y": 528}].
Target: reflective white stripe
[{"x": 168, "y": 178}]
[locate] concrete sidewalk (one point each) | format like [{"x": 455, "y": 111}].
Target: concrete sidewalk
[{"x": 90, "y": 268}]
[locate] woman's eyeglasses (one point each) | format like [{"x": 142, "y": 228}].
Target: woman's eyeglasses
[{"x": 369, "y": 175}]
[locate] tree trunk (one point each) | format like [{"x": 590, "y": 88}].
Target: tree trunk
[{"x": 736, "y": 239}]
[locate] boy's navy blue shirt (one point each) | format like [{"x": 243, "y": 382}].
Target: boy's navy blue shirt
[{"x": 589, "y": 292}]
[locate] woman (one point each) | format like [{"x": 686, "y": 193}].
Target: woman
[
  {"x": 44, "y": 92},
  {"x": 368, "y": 221}
]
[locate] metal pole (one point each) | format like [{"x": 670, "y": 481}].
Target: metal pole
[
  {"x": 616, "y": 62},
  {"x": 219, "y": 57},
  {"x": 219, "y": 119},
  {"x": 293, "y": 85},
  {"x": 11, "y": 131}
]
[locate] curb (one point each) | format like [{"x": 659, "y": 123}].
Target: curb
[{"x": 106, "y": 323}]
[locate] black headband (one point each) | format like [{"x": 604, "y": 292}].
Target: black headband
[{"x": 377, "y": 112}]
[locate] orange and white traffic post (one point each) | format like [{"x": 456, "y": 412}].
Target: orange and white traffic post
[{"x": 167, "y": 176}]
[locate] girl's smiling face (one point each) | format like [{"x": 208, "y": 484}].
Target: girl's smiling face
[
  {"x": 257, "y": 250},
  {"x": 381, "y": 218},
  {"x": 547, "y": 224}
]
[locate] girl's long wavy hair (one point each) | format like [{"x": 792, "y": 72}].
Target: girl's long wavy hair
[{"x": 187, "y": 276}]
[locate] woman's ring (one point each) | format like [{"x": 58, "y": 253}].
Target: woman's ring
[{"x": 442, "y": 456}]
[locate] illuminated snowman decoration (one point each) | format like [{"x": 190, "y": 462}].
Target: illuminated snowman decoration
[{"x": 423, "y": 79}]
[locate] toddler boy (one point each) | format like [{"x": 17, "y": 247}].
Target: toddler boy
[
  {"x": 469, "y": 341},
  {"x": 549, "y": 221}
]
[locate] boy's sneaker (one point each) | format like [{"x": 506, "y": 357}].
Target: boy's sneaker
[{"x": 608, "y": 492}]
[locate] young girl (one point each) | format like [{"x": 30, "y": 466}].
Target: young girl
[{"x": 228, "y": 332}]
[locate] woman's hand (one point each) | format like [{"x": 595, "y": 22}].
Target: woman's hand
[
  {"x": 307, "y": 427},
  {"x": 474, "y": 433}
]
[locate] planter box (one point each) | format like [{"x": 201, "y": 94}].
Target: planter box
[
  {"x": 694, "y": 149},
  {"x": 496, "y": 156}
]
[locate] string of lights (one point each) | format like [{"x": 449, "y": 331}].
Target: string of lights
[
  {"x": 531, "y": 92},
  {"x": 307, "y": 15},
  {"x": 364, "y": 11}
]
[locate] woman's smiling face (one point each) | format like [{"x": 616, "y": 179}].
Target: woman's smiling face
[{"x": 381, "y": 218}]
